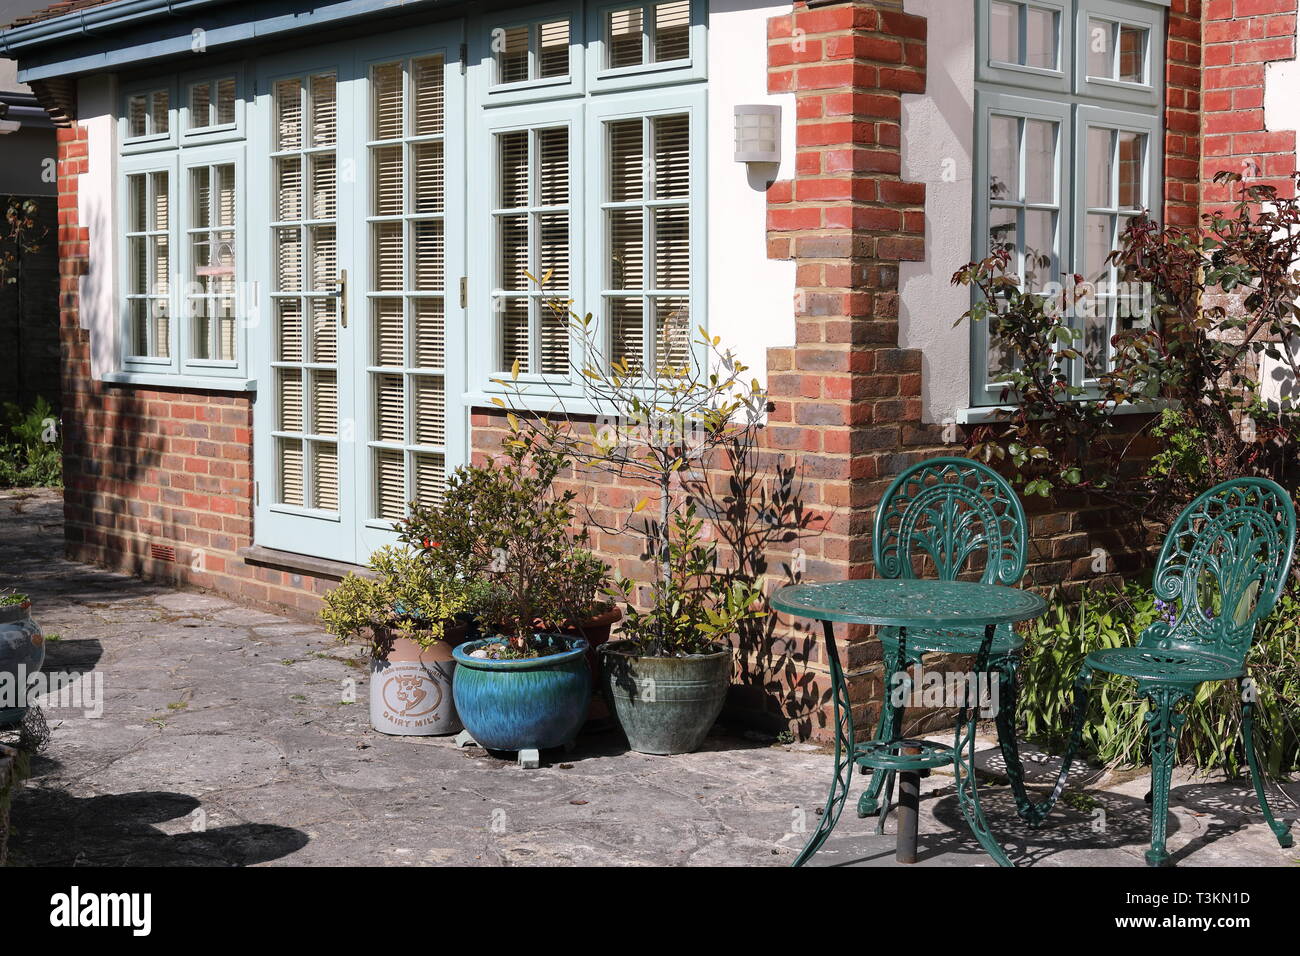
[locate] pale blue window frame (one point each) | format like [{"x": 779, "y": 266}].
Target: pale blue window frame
[
  {"x": 176, "y": 153},
  {"x": 665, "y": 88},
  {"x": 191, "y": 135},
  {"x": 687, "y": 69},
  {"x": 1078, "y": 102},
  {"x": 481, "y": 46}
]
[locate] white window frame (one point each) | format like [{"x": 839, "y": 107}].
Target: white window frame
[{"x": 152, "y": 140}]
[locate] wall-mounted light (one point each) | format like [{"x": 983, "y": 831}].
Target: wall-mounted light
[{"x": 758, "y": 133}]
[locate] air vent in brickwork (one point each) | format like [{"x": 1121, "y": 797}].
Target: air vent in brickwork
[{"x": 162, "y": 552}]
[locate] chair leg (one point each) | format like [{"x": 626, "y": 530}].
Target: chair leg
[
  {"x": 891, "y": 717},
  {"x": 1280, "y": 829},
  {"x": 1164, "y": 724},
  {"x": 963, "y": 752}
]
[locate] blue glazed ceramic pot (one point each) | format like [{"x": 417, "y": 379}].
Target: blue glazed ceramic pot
[
  {"x": 535, "y": 702},
  {"x": 22, "y": 652}
]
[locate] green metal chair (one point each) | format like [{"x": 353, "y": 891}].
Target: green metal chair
[
  {"x": 1223, "y": 567},
  {"x": 952, "y": 513}
]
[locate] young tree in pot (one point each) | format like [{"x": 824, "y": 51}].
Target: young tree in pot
[
  {"x": 665, "y": 428},
  {"x": 525, "y": 685},
  {"x": 407, "y": 615}
]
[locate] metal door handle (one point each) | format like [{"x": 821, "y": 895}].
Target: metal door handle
[{"x": 341, "y": 293}]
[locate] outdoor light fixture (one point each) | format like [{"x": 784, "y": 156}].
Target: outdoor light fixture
[{"x": 758, "y": 133}]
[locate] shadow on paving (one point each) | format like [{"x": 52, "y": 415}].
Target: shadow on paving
[{"x": 58, "y": 829}]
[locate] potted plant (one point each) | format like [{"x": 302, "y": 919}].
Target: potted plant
[
  {"x": 22, "y": 652},
  {"x": 664, "y": 427},
  {"x": 408, "y": 614},
  {"x": 525, "y": 684}
]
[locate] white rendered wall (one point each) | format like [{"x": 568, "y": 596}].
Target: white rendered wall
[
  {"x": 751, "y": 297},
  {"x": 95, "y": 96},
  {"x": 1281, "y": 114},
  {"x": 938, "y": 134}
]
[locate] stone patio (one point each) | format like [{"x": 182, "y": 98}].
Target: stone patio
[{"x": 224, "y": 740}]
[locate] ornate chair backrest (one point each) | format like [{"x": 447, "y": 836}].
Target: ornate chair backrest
[
  {"x": 951, "y": 511},
  {"x": 1223, "y": 567}
]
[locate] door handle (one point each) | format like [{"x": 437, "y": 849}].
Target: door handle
[{"x": 341, "y": 293}]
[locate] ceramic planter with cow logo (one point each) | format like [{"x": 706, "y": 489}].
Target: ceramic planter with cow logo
[{"x": 411, "y": 688}]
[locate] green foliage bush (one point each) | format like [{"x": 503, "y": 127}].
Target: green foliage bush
[
  {"x": 31, "y": 448},
  {"x": 1115, "y": 733}
]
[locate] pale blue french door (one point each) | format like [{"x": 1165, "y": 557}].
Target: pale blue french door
[{"x": 357, "y": 222}]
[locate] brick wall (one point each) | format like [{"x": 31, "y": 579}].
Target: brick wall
[
  {"x": 158, "y": 481},
  {"x": 1239, "y": 38},
  {"x": 170, "y": 467}
]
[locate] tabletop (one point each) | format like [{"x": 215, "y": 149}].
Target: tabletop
[{"x": 910, "y": 602}]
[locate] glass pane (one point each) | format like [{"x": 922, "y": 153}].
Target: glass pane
[
  {"x": 623, "y": 30},
  {"x": 325, "y": 475},
  {"x": 1132, "y": 147},
  {"x": 390, "y": 408},
  {"x": 430, "y": 407},
  {"x": 288, "y": 114},
  {"x": 625, "y": 160},
  {"x": 200, "y": 105},
  {"x": 226, "y": 101},
  {"x": 291, "y": 475},
  {"x": 1041, "y": 31},
  {"x": 553, "y": 167},
  {"x": 1040, "y": 161},
  {"x": 514, "y": 333},
  {"x": 1101, "y": 51},
  {"x": 512, "y": 54},
  {"x": 430, "y": 478},
  {"x": 324, "y": 401},
  {"x": 627, "y": 334},
  {"x": 672, "y": 31},
  {"x": 386, "y": 91},
  {"x": 291, "y": 419},
  {"x": 324, "y": 258},
  {"x": 1004, "y": 158},
  {"x": 427, "y": 114},
  {"x": 200, "y": 199},
  {"x": 288, "y": 259},
  {"x": 1004, "y": 32},
  {"x": 139, "y": 318},
  {"x": 388, "y": 256},
  {"x": 553, "y": 59},
  {"x": 159, "y": 105},
  {"x": 158, "y": 182},
  {"x": 389, "y": 346},
  {"x": 322, "y": 186},
  {"x": 1097, "y": 244},
  {"x": 1132, "y": 54},
  {"x": 288, "y": 188},
  {"x": 1100, "y": 174},
  {"x": 626, "y": 249},
  {"x": 553, "y": 251},
  {"x": 513, "y": 243},
  {"x": 1040, "y": 249},
  {"x": 553, "y": 341},
  {"x": 137, "y": 251},
  {"x": 390, "y": 483},
  {"x": 324, "y": 330},
  {"x": 324, "y": 102},
  {"x": 138, "y": 202},
  {"x": 289, "y": 332},
  {"x": 1002, "y": 230},
  {"x": 1096, "y": 338},
  {"x": 429, "y": 333},
  {"x": 427, "y": 253},
  {"x": 672, "y": 157},
  {"x": 427, "y": 177},
  {"x": 137, "y": 112},
  {"x": 672, "y": 244},
  {"x": 161, "y": 266},
  {"x": 672, "y": 332},
  {"x": 386, "y": 163},
  {"x": 513, "y": 159},
  {"x": 225, "y": 197}
]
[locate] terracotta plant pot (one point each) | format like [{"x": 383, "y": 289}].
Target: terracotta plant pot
[
  {"x": 595, "y": 631},
  {"x": 666, "y": 705},
  {"x": 411, "y": 687}
]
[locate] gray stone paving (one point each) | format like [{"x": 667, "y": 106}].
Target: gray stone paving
[{"x": 224, "y": 741}]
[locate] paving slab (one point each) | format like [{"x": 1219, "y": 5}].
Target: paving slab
[{"x": 226, "y": 739}]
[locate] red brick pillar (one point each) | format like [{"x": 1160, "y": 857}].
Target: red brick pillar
[{"x": 845, "y": 394}]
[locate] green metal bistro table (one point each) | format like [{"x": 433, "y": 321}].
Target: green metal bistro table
[{"x": 920, "y": 604}]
